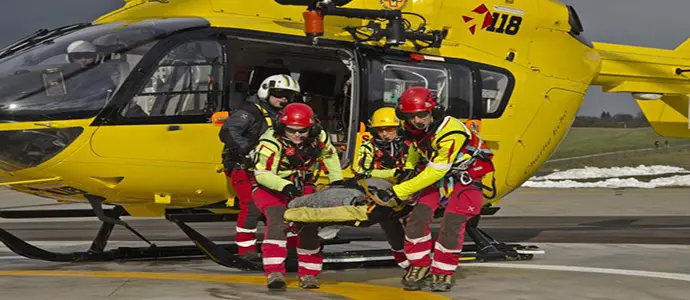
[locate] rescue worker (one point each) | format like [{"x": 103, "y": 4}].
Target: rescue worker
[
  {"x": 285, "y": 161},
  {"x": 240, "y": 133},
  {"x": 82, "y": 53},
  {"x": 384, "y": 156},
  {"x": 87, "y": 79},
  {"x": 445, "y": 143}
]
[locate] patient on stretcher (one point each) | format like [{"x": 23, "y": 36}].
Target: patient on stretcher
[{"x": 336, "y": 204}]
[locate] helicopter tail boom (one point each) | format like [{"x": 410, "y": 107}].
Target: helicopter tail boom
[{"x": 658, "y": 79}]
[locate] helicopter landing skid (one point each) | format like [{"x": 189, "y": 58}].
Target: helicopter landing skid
[{"x": 484, "y": 249}]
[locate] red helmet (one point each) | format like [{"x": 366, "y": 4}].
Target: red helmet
[
  {"x": 297, "y": 114},
  {"x": 416, "y": 99}
]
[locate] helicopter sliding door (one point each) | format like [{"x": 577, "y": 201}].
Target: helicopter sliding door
[{"x": 167, "y": 117}]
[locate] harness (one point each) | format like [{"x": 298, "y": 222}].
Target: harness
[
  {"x": 301, "y": 160},
  {"x": 392, "y": 158},
  {"x": 265, "y": 114},
  {"x": 471, "y": 164}
]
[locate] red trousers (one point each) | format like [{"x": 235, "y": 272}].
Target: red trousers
[
  {"x": 245, "y": 237},
  {"x": 274, "y": 247},
  {"x": 465, "y": 202}
]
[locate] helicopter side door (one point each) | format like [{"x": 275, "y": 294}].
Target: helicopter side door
[{"x": 168, "y": 119}]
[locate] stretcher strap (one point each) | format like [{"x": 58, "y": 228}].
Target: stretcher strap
[
  {"x": 378, "y": 200},
  {"x": 371, "y": 196}
]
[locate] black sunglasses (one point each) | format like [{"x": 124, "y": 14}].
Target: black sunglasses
[
  {"x": 421, "y": 114},
  {"x": 292, "y": 131}
]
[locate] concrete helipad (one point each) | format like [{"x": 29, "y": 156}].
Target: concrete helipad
[{"x": 636, "y": 253}]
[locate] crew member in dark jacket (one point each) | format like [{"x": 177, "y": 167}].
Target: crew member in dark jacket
[{"x": 240, "y": 134}]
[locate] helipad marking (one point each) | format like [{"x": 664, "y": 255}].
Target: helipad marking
[
  {"x": 349, "y": 290},
  {"x": 662, "y": 275}
]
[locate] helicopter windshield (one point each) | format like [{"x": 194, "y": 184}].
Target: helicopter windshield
[{"x": 72, "y": 74}]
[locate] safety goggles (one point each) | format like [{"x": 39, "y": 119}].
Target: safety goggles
[
  {"x": 386, "y": 129},
  {"x": 294, "y": 131},
  {"x": 283, "y": 93},
  {"x": 421, "y": 115}
]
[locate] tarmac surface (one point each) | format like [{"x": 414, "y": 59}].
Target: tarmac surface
[{"x": 598, "y": 243}]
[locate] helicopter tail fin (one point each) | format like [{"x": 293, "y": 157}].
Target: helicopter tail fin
[{"x": 658, "y": 79}]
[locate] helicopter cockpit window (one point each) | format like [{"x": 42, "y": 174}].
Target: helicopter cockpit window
[
  {"x": 188, "y": 81},
  {"x": 398, "y": 78},
  {"x": 493, "y": 89},
  {"x": 72, "y": 72}
]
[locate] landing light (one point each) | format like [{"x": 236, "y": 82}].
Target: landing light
[{"x": 647, "y": 96}]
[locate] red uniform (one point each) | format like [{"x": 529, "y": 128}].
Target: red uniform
[
  {"x": 450, "y": 150},
  {"x": 283, "y": 171}
]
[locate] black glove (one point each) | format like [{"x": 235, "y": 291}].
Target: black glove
[
  {"x": 337, "y": 183},
  {"x": 291, "y": 191},
  {"x": 403, "y": 175},
  {"x": 387, "y": 196}
]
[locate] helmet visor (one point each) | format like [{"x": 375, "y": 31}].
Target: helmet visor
[
  {"x": 290, "y": 95},
  {"x": 81, "y": 55}
]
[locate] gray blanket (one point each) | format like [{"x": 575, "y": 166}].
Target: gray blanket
[{"x": 338, "y": 196}]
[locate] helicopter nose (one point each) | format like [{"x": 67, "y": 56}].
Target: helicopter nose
[{"x": 23, "y": 149}]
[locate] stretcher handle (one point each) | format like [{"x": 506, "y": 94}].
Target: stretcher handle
[{"x": 371, "y": 196}]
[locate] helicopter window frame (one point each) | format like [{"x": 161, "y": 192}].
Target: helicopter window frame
[
  {"x": 505, "y": 94},
  {"x": 170, "y": 67},
  {"x": 459, "y": 103},
  {"x": 475, "y": 100},
  {"x": 146, "y": 68}
]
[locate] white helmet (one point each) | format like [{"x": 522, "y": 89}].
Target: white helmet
[
  {"x": 280, "y": 81},
  {"x": 80, "y": 46}
]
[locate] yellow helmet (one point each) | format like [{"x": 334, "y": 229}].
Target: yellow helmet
[{"x": 384, "y": 117}]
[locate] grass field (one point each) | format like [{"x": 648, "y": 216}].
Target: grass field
[
  {"x": 585, "y": 141},
  {"x": 594, "y": 141}
]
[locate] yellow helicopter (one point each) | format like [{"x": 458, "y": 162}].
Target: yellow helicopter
[{"x": 138, "y": 127}]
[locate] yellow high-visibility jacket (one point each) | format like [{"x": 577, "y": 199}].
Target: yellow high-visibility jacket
[
  {"x": 272, "y": 167},
  {"x": 441, "y": 153}
]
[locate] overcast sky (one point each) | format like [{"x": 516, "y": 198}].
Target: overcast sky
[{"x": 659, "y": 23}]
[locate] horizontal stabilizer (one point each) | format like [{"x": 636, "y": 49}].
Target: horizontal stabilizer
[
  {"x": 658, "y": 79},
  {"x": 633, "y": 69}
]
